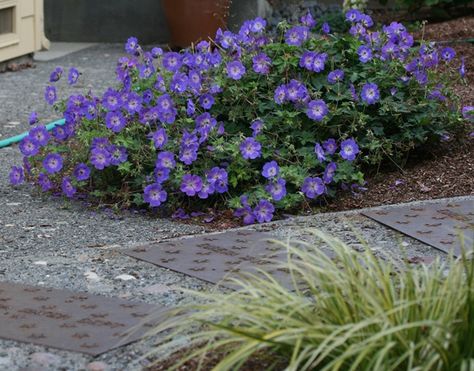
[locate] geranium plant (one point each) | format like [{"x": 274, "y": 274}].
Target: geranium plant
[{"x": 251, "y": 121}]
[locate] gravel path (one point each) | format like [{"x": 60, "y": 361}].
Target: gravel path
[{"x": 61, "y": 244}]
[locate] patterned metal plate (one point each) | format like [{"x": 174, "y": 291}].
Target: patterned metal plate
[
  {"x": 67, "y": 320},
  {"x": 438, "y": 224},
  {"x": 213, "y": 258}
]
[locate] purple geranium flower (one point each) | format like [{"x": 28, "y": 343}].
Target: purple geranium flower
[
  {"x": 190, "y": 108},
  {"x": 353, "y": 15},
  {"x": 165, "y": 159},
  {"x": 270, "y": 170},
  {"x": 280, "y": 94},
  {"x": 277, "y": 189},
  {"x": 67, "y": 187},
  {"x": 335, "y": 76},
  {"x": 308, "y": 20},
  {"x": 131, "y": 45},
  {"x": 56, "y": 74},
  {"x": 317, "y": 110},
  {"x": 325, "y": 28},
  {"x": 349, "y": 149},
  {"x": 313, "y": 187},
  {"x": 100, "y": 158},
  {"x": 235, "y": 70},
  {"x": 28, "y": 147},
  {"x": 161, "y": 174},
  {"x": 160, "y": 138},
  {"x": 44, "y": 182},
  {"x": 250, "y": 149},
  {"x": 218, "y": 178},
  {"x": 245, "y": 212},
  {"x": 307, "y": 59},
  {"x": 188, "y": 154},
  {"x": 370, "y": 93},
  {"x": 264, "y": 211},
  {"x": 50, "y": 94},
  {"x": 329, "y": 172},
  {"x": 60, "y": 133},
  {"x": 296, "y": 35},
  {"x": 319, "y": 62},
  {"x": 73, "y": 76},
  {"x": 179, "y": 83},
  {"x": 365, "y": 53},
  {"x": 115, "y": 121},
  {"x": 191, "y": 184},
  {"x": 257, "y": 127},
  {"x": 330, "y": 146},
  {"x": 296, "y": 91},
  {"x": 17, "y": 175},
  {"x": 133, "y": 103},
  {"x": 154, "y": 195},
  {"x": 118, "y": 155},
  {"x": 206, "y": 101},
  {"x": 206, "y": 190},
  {"x": 111, "y": 100},
  {"x": 172, "y": 61},
  {"x": 82, "y": 172},
  {"x": 319, "y": 152},
  {"x": 33, "y": 118},
  {"x": 448, "y": 53},
  {"x": 39, "y": 135},
  {"x": 261, "y": 63},
  {"x": 53, "y": 163},
  {"x": 462, "y": 69}
]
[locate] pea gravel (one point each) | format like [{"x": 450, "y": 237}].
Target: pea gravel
[{"x": 61, "y": 244}]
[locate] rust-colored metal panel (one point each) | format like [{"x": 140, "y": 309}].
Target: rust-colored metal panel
[
  {"x": 439, "y": 224},
  {"x": 213, "y": 258},
  {"x": 78, "y": 322}
]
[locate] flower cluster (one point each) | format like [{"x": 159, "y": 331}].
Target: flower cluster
[{"x": 247, "y": 121}]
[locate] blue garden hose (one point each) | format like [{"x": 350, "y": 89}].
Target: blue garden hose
[{"x": 17, "y": 138}]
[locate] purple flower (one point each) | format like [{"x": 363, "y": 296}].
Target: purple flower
[
  {"x": 115, "y": 121},
  {"x": 165, "y": 159},
  {"x": 206, "y": 190},
  {"x": 50, "y": 94},
  {"x": 131, "y": 45},
  {"x": 365, "y": 53},
  {"x": 165, "y": 103},
  {"x": 156, "y": 52},
  {"x": 246, "y": 213},
  {"x": 53, "y": 163},
  {"x": 118, "y": 155},
  {"x": 258, "y": 25},
  {"x": 330, "y": 146},
  {"x": 44, "y": 182},
  {"x": 296, "y": 91},
  {"x": 218, "y": 178},
  {"x": 39, "y": 136},
  {"x": 100, "y": 158},
  {"x": 172, "y": 61},
  {"x": 191, "y": 184},
  {"x": 100, "y": 143},
  {"x": 317, "y": 110},
  {"x": 179, "y": 83},
  {"x": 319, "y": 62},
  {"x": 154, "y": 195},
  {"x": 60, "y": 133},
  {"x": 448, "y": 53},
  {"x": 17, "y": 175},
  {"x": 280, "y": 94},
  {"x": 56, "y": 74},
  {"x": 188, "y": 154},
  {"x": 353, "y": 15},
  {"x": 319, "y": 152},
  {"x": 261, "y": 63},
  {"x": 257, "y": 127},
  {"x": 313, "y": 187},
  {"x": 206, "y": 101},
  {"x": 161, "y": 174},
  {"x": 366, "y": 20},
  {"x": 250, "y": 149},
  {"x": 370, "y": 93},
  {"x": 67, "y": 187},
  {"x": 160, "y": 138},
  {"x": 462, "y": 69},
  {"x": 349, "y": 149},
  {"x": 296, "y": 35},
  {"x": 308, "y": 20},
  {"x": 133, "y": 103},
  {"x": 82, "y": 172},
  {"x": 277, "y": 189},
  {"x": 73, "y": 76},
  {"x": 264, "y": 211},
  {"x": 468, "y": 113},
  {"x": 325, "y": 28},
  {"x": 235, "y": 70},
  {"x": 33, "y": 118},
  {"x": 329, "y": 172},
  {"x": 111, "y": 100},
  {"x": 335, "y": 76},
  {"x": 270, "y": 170},
  {"x": 190, "y": 108},
  {"x": 307, "y": 59}
]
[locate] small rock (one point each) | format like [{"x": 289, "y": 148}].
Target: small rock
[
  {"x": 125, "y": 277},
  {"x": 45, "y": 359},
  {"x": 40, "y": 262},
  {"x": 92, "y": 276},
  {"x": 156, "y": 289},
  {"x": 97, "y": 366}
]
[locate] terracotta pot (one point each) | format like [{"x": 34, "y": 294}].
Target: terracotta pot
[{"x": 194, "y": 20}]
